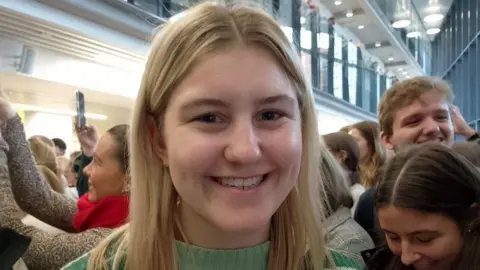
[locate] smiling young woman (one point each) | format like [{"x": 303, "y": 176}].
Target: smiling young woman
[
  {"x": 225, "y": 153},
  {"x": 427, "y": 204}
]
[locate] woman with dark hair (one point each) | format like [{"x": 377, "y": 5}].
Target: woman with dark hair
[
  {"x": 343, "y": 232},
  {"x": 427, "y": 203},
  {"x": 346, "y": 151},
  {"x": 372, "y": 153}
]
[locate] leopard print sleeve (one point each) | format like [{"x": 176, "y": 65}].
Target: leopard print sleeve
[
  {"x": 46, "y": 251},
  {"x": 31, "y": 192}
]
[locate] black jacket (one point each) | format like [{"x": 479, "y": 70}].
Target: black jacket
[{"x": 12, "y": 247}]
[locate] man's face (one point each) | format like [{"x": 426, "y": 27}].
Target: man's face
[
  {"x": 59, "y": 152},
  {"x": 427, "y": 119}
]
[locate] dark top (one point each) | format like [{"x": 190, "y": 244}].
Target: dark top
[
  {"x": 12, "y": 247},
  {"x": 365, "y": 213},
  {"x": 82, "y": 181}
]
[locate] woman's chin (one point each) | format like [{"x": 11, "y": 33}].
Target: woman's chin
[{"x": 92, "y": 197}]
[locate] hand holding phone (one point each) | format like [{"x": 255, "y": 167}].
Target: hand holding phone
[{"x": 80, "y": 104}]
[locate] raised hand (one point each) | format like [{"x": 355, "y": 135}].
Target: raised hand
[
  {"x": 88, "y": 138},
  {"x": 461, "y": 126},
  {"x": 6, "y": 109}
]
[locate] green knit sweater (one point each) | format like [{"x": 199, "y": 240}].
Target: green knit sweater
[{"x": 197, "y": 258}]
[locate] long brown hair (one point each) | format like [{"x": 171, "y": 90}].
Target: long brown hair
[
  {"x": 338, "y": 142},
  {"x": 370, "y": 166},
  {"x": 336, "y": 187},
  {"x": 432, "y": 178}
]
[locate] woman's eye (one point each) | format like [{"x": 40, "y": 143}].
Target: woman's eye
[
  {"x": 208, "y": 118},
  {"x": 270, "y": 116},
  {"x": 393, "y": 238},
  {"x": 423, "y": 239}
]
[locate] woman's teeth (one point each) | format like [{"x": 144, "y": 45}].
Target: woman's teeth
[{"x": 241, "y": 183}]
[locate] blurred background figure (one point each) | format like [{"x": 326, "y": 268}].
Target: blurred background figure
[
  {"x": 60, "y": 147},
  {"x": 346, "y": 151}
]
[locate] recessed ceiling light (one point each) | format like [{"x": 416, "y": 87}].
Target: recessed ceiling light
[
  {"x": 433, "y": 18},
  {"x": 400, "y": 69},
  {"x": 338, "y": 3},
  {"x": 391, "y": 58},
  {"x": 401, "y": 23},
  {"x": 303, "y": 20},
  {"x": 433, "y": 31},
  {"x": 378, "y": 44},
  {"x": 405, "y": 73},
  {"x": 361, "y": 27},
  {"x": 413, "y": 34},
  {"x": 349, "y": 14}
]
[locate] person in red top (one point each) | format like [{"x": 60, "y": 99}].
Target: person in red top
[
  {"x": 106, "y": 203},
  {"x": 85, "y": 222}
]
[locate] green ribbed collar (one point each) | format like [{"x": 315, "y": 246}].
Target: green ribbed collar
[{"x": 198, "y": 258}]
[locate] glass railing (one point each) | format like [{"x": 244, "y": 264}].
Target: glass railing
[
  {"x": 333, "y": 64},
  {"x": 409, "y": 28}
]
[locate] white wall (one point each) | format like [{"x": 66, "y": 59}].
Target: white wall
[
  {"x": 120, "y": 77},
  {"x": 62, "y": 68}
]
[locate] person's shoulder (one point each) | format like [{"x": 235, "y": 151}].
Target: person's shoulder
[
  {"x": 343, "y": 262},
  {"x": 78, "y": 264},
  {"x": 111, "y": 253}
]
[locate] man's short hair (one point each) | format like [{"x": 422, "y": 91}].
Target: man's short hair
[
  {"x": 406, "y": 92},
  {"x": 60, "y": 144}
]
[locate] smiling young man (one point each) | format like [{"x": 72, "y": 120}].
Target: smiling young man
[{"x": 414, "y": 111}]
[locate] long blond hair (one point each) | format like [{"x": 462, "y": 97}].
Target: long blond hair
[
  {"x": 46, "y": 161},
  {"x": 149, "y": 240}
]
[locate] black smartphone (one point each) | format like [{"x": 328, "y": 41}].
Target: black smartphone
[{"x": 80, "y": 102}]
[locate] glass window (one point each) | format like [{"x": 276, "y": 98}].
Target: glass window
[
  {"x": 352, "y": 53},
  {"x": 352, "y": 84},
  {"x": 307, "y": 65},
  {"x": 323, "y": 42},
  {"x": 337, "y": 80},
  {"x": 337, "y": 53},
  {"x": 323, "y": 69},
  {"x": 306, "y": 39}
]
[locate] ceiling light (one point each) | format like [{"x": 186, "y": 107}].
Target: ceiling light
[
  {"x": 303, "y": 20},
  {"x": 378, "y": 44},
  {"x": 349, "y": 13},
  {"x": 433, "y": 31},
  {"x": 391, "y": 58},
  {"x": 413, "y": 34},
  {"x": 405, "y": 73},
  {"x": 338, "y": 3},
  {"x": 400, "y": 69},
  {"x": 401, "y": 23},
  {"x": 433, "y": 18},
  {"x": 361, "y": 27}
]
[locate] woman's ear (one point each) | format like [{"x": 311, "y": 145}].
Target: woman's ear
[{"x": 156, "y": 137}]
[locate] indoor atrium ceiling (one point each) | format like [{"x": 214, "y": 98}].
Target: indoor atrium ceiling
[{"x": 371, "y": 31}]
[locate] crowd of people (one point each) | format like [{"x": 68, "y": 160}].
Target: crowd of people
[{"x": 222, "y": 167}]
